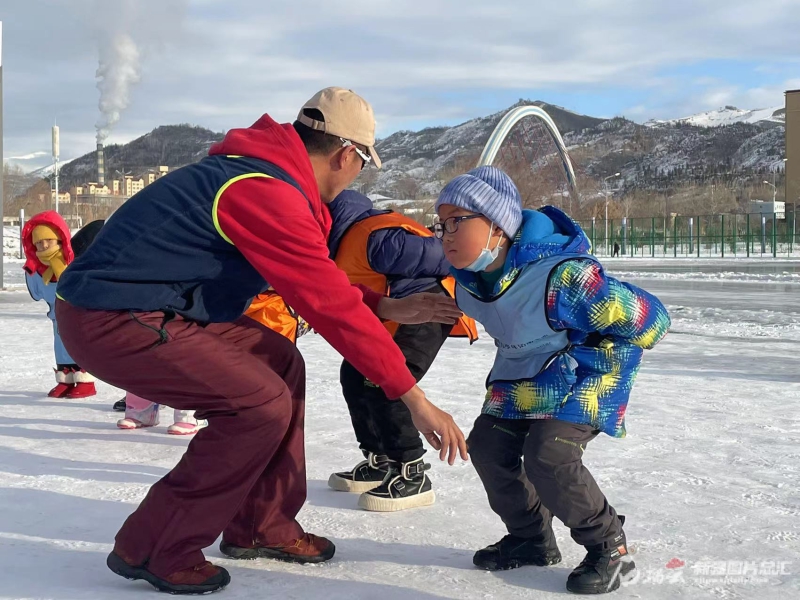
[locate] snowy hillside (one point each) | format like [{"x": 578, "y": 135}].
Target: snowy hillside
[
  {"x": 47, "y": 170},
  {"x": 728, "y": 115},
  {"x": 650, "y": 156},
  {"x": 425, "y": 156}
]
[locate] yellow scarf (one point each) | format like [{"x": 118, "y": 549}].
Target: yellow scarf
[{"x": 54, "y": 259}]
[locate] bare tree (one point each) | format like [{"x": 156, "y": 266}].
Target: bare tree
[
  {"x": 15, "y": 184},
  {"x": 365, "y": 183},
  {"x": 407, "y": 188}
]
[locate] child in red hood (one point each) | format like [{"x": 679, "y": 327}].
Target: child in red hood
[{"x": 46, "y": 241}]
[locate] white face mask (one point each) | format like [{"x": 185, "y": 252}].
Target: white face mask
[{"x": 486, "y": 257}]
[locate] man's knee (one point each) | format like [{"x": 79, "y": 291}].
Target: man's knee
[{"x": 274, "y": 412}]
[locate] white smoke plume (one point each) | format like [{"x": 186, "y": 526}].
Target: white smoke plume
[
  {"x": 119, "y": 70},
  {"x": 127, "y": 31}
]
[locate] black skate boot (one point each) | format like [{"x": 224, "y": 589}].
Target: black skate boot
[
  {"x": 512, "y": 552},
  {"x": 405, "y": 486},
  {"x": 603, "y": 568},
  {"x": 366, "y": 475}
]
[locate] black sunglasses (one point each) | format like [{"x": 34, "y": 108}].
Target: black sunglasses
[{"x": 451, "y": 225}]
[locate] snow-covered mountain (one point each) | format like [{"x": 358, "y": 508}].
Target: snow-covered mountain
[
  {"x": 28, "y": 162},
  {"x": 655, "y": 155},
  {"x": 415, "y": 163},
  {"x": 728, "y": 115},
  {"x": 658, "y": 155},
  {"x": 46, "y": 171}
]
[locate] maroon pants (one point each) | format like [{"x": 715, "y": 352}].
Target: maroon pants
[{"x": 244, "y": 474}]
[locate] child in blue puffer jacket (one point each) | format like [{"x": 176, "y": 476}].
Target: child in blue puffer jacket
[{"x": 569, "y": 343}]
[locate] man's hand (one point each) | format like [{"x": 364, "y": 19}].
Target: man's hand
[
  {"x": 436, "y": 425},
  {"x": 420, "y": 308}
]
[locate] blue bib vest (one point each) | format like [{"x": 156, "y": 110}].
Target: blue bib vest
[
  {"x": 517, "y": 321},
  {"x": 164, "y": 250}
]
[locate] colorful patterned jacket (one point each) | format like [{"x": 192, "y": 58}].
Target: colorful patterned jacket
[{"x": 587, "y": 328}]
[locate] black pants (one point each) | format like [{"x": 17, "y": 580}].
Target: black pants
[
  {"x": 381, "y": 425},
  {"x": 532, "y": 470}
]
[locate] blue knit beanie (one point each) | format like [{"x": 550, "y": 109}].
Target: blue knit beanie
[{"x": 488, "y": 191}]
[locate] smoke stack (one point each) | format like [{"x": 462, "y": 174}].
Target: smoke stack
[{"x": 101, "y": 167}]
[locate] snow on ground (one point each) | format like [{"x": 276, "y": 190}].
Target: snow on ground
[
  {"x": 11, "y": 242},
  {"x": 13, "y": 276},
  {"x": 708, "y": 475}
]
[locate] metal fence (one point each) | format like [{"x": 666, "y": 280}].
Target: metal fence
[{"x": 729, "y": 235}]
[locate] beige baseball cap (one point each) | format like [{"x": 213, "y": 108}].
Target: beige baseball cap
[{"x": 346, "y": 114}]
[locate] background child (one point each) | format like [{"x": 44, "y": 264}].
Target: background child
[
  {"x": 46, "y": 242},
  {"x": 140, "y": 413},
  {"x": 269, "y": 309},
  {"x": 569, "y": 344}
]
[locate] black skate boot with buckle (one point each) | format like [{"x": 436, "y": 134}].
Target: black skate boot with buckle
[
  {"x": 405, "y": 486},
  {"x": 365, "y": 476}
]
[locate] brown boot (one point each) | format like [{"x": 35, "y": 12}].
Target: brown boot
[
  {"x": 200, "y": 579},
  {"x": 307, "y": 549}
]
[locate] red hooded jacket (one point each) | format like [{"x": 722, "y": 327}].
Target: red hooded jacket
[
  {"x": 287, "y": 244},
  {"x": 53, "y": 219}
]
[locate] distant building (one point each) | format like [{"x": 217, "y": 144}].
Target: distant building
[
  {"x": 120, "y": 190},
  {"x": 793, "y": 147},
  {"x": 63, "y": 198},
  {"x": 133, "y": 186}
]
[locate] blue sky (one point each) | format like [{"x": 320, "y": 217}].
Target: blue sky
[{"x": 221, "y": 64}]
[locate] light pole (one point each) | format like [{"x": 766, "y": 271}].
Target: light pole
[
  {"x": 122, "y": 175},
  {"x": 794, "y": 205},
  {"x": 56, "y": 152},
  {"x": 774, "y": 192},
  {"x": 605, "y": 185}
]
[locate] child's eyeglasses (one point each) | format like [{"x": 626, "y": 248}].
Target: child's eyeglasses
[
  {"x": 366, "y": 158},
  {"x": 451, "y": 225}
]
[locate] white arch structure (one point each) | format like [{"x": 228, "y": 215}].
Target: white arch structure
[{"x": 507, "y": 123}]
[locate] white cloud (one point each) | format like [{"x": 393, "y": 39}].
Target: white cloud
[
  {"x": 415, "y": 61},
  {"x": 751, "y": 98},
  {"x": 31, "y": 156}
]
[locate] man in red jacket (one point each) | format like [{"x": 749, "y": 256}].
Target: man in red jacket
[{"x": 155, "y": 307}]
